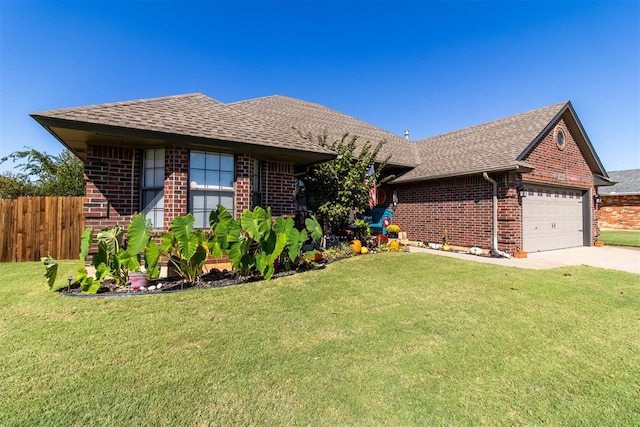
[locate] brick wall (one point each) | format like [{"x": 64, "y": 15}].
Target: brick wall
[
  {"x": 243, "y": 185},
  {"x": 564, "y": 167},
  {"x": 176, "y": 182},
  {"x": 112, "y": 192},
  {"x": 279, "y": 185},
  {"x": 621, "y": 212},
  {"x": 463, "y": 206},
  {"x": 460, "y": 206}
]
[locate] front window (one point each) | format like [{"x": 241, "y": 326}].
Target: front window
[
  {"x": 153, "y": 186},
  {"x": 211, "y": 178}
]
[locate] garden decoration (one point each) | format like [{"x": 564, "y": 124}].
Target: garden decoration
[
  {"x": 356, "y": 246},
  {"x": 445, "y": 246},
  {"x": 393, "y": 230}
]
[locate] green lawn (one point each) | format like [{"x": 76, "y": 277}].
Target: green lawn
[
  {"x": 388, "y": 339},
  {"x": 620, "y": 237}
]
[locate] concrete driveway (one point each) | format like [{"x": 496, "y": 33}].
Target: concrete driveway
[{"x": 610, "y": 257}]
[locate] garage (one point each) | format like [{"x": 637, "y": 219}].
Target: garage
[{"x": 553, "y": 218}]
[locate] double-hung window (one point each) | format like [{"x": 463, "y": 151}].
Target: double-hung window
[
  {"x": 211, "y": 178},
  {"x": 153, "y": 186}
]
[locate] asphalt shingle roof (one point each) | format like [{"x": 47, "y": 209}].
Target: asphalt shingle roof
[
  {"x": 491, "y": 146},
  {"x": 275, "y": 121},
  {"x": 192, "y": 115},
  {"x": 307, "y": 117},
  {"x": 628, "y": 182}
]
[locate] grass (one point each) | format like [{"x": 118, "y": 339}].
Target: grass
[
  {"x": 620, "y": 238},
  {"x": 386, "y": 339}
]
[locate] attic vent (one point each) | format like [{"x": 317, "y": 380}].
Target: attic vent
[
  {"x": 560, "y": 138},
  {"x": 406, "y": 134}
]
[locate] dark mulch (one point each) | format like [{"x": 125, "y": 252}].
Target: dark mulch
[{"x": 213, "y": 279}]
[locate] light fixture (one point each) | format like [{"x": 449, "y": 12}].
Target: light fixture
[
  {"x": 522, "y": 192},
  {"x": 597, "y": 198}
]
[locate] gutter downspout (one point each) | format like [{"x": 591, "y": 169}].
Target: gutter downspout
[{"x": 494, "y": 229}]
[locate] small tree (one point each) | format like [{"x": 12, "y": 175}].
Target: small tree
[
  {"x": 341, "y": 186},
  {"x": 43, "y": 174}
]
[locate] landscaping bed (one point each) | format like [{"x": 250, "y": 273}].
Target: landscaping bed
[{"x": 213, "y": 279}]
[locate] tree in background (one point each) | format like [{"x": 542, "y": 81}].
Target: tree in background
[
  {"x": 42, "y": 174},
  {"x": 340, "y": 187}
]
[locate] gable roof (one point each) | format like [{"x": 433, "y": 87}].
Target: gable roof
[
  {"x": 271, "y": 126},
  {"x": 265, "y": 123},
  {"x": 628, "y": 182},
  {"x": 492, "y": 146},
  {"x": 182, "y": 119}
]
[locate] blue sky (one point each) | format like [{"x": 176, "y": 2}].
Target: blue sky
[{"x": 429, "y": 67}]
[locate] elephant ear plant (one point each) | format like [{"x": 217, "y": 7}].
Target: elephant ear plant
[
  {"x": 255, "y": 241},
  {"x": 187, "y": 248},
  {"x": 114, "y": 258}
]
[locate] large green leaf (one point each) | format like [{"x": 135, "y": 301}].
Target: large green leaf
[
  {"x": 111, "y": 238},
  {"x": 314, "y": 228},
  {"x": 256, "y": 223},
  {"x": 182, "y": 228},
  {"x": 295, "y": 241},
  {"x": 138, "y": 233},
  {"x": 283, "y": 225},
  {"x": 102, "y": 257},
  {"x": 51, "y": 270},
  {"x": 151, "y": 258},
  {"x": 129, "y": 260},
  {"x": 226, "y": 233},
  {"x": 240, "y": 257},
  {"x": 220, "y": 216},
  {"x": 265, "y": 260},
  {"x": 85, "y": 243}
]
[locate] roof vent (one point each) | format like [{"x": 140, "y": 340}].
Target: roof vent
[{"x": 406, "y": 134}]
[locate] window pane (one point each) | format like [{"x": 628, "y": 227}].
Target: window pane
[
  {"x": 226, "y": 162},
  {"x": 197, "y": 176},
  {"x": 200, "y": 219},
  {"x": 213, "y": 161},
  {"x": 198, "y": 202},
  {"x": 148, "y": 177},
  {"x": 158, "y": 178},
  {"x": 159, "y": 158},
  {"x": 226, "y": 200},
  {"x": 148, "y": 158},
  {"x": 226, "y": 179},
  {"x": 197, "y": 160},
  {"x": 212, "y": 178},
  {"x": 212, "y": 201}
]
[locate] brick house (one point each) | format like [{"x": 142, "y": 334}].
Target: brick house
[
  {"x": 524, "y": 182},
  {"x": 620, "y": 207}
]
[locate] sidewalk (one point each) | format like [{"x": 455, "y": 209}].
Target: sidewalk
[{"x": 609, "y": 257}]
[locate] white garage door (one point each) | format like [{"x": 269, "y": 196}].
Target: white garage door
[{"x": 552, "y": 219}]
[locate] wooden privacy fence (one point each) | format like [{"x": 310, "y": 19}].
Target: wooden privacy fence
[{"x": 31, "y": 227}]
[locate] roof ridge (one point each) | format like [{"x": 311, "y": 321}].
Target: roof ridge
[
  {"x": 513, "y": 116},
  {"x": 131, "y": 102}
]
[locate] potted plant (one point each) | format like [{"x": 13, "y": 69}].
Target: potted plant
[
  {"x": 445, "y": 246},
  {"x": 393, "y": 230}
]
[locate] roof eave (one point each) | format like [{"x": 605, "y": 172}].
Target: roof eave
[
  {"x": 132, "y": 137},
  {"x": 602, "y": 181},
  {"x": 520, "y": 167},
  {"x": 595, "y": 160}
]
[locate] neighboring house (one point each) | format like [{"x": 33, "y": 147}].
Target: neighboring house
[
  {"x": 620, "y": 206},
  {"x": 524, "y": 182}
]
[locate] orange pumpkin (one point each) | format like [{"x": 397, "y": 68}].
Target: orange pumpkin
[
  {"x": 356, "y": 246},
  {"x": 394, "y": 244}
]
